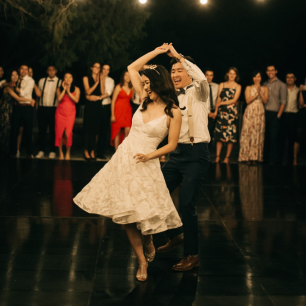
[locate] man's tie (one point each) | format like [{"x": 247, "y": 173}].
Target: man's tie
[
  {"x": 211, "y": 99},
  {"x": 50, "y": 80}
]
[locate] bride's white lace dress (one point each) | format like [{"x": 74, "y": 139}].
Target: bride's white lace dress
[{"x": 128, "y": 192}]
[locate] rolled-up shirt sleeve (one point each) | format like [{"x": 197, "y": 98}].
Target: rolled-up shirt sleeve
[
  {"x": 283, "y": 94},
  {"x": 26, "y": 88},
  {"x": 199, "y": 80}
]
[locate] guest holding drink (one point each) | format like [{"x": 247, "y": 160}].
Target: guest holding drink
[
  {"x": 67, "y": 95},
  {"x": 253, "y": 128}
]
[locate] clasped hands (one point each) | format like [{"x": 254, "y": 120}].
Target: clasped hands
[{"x": 169, "y": 49}]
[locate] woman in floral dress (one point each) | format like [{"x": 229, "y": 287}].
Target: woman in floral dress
[
  {"x": 227, "y": 113},
  {"x": 253, "y": 128}
]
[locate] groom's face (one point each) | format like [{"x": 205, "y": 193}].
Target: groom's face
[{"x": 179, "y": 76}]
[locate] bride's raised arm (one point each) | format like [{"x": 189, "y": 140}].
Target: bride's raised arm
[{"x": 139, "y": 64}]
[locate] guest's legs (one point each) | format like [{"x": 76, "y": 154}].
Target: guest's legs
[
  {"x": 126, "y": 131},
  {"x": 42, "y": 118},
  {"x": 218, "y": 150},
  {"x": 117, "y": 141},
  {"x": 67, "y": 155},
  {"x": 296, "y": 150},
  {"x": 51, "y": 122},
  {"x": 228, "y": 152},
  {"x": 274, "y": 138},
  {"x": 19, "y": 137},
  {"x": 28, "y": 128}
]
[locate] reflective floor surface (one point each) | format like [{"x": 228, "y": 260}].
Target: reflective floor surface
[{"x": 252, "y": 228}]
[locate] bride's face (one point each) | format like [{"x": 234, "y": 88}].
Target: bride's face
[{"x": 146, "y": 86}]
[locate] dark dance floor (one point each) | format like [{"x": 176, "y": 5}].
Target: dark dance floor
[{"x": 251, "y": 224}]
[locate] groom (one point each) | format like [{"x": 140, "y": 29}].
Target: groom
[{"x": 189, "y": 162}]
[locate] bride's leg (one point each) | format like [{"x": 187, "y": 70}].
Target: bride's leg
[
  {"x": 135, "y": 239},
  {"x": 149, "y": 247}
]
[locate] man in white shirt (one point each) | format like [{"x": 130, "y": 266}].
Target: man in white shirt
[
  {"x": 289, "y": 119},
  {"x": 212, "y": 99},
  {"x": 189, "y": 162},
  {"x": 105, "y": 113},
  {"x": 23, "y": 111},
  {"x": 46, "y": 111}
]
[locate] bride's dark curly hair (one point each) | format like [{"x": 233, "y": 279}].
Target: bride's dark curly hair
[{"x": 161, "y": 84}]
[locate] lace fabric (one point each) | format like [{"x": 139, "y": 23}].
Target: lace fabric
[{"x": 133, "y": 193}]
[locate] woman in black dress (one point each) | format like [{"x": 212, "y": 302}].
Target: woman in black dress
[
  {"x": 226, "y": 113},
  {"x": 6, "y": 109},
  {"x": 94, "y": 85}
]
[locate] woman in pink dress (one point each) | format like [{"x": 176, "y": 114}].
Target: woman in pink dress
[
  {"x": 67, "y": 95},
  {"x": 121, "y": 109}
]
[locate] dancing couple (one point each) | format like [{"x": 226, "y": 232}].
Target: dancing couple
[{"x": 131, "y": 188}]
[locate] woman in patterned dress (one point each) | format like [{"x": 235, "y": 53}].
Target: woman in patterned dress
[
  {"x": 253, "y": 128},
  {"x": 227, "y": 113}
]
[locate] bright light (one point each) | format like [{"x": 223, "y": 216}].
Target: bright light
[
  {"x": 143, "y": 1},
  {"x": 203, "y": 1}
]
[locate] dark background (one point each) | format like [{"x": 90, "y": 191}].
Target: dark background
[{"x": 247, "y": 34}]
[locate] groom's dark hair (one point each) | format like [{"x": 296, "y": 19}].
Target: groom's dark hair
[{"x": 188, "y": 58}]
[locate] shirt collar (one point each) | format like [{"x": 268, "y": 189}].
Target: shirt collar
[
  {"x": 54, "y": 79},
  {"x": 276, "y": 79}
]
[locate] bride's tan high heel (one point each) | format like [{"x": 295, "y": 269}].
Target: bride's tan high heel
[
  {"x": 142, "y": 277},
  {"x": 149, "y": 257}
]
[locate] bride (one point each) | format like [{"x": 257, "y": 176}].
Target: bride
[{"x": 130, "y": 188}]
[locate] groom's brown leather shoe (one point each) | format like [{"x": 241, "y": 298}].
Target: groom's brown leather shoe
[
  {"x": 187, "y": 263},
  {"x": 171, "y": 244}
]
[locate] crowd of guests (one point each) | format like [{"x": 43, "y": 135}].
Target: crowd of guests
[{"x": 274, "y": 121}]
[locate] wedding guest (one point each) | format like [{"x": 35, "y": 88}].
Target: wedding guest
[
  {"x": 94, "y": 85},
  {"x": 105, "y": 113},
  {"x": 6, "y": 110},
  {"x": 67, "y": 95},
  {"x": 211, "y": 102},
  {"x": 136, "y": 101},
  {"x": 46, "y": 111},
  {"x": 227, "y": 113},
  {"x": 37, "y": 91},
  {"x": 121, "y": 109},
  {"x": 3, "y": 82},
  {"x": 288, "y": 122},
  {"x": 274, "y": 110},
  {"x": 301, "y": 131},
  {"x": 23, "y": 111},
  {"x": 36, "y": 94},
  {"x": 253, "y": 127}
]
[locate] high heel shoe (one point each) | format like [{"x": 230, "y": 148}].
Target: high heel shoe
[
  {"x": 142, "y": 277},
  {"x": 149, "y": 257}
]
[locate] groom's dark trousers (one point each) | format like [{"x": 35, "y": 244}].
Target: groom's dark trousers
[{"x": 186, "y": 168}]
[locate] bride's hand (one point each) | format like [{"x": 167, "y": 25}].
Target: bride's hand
[
  {"x": 141, "y": 158},
  {"x": 163, "y": 48}
]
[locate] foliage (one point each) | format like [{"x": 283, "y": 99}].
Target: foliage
[{"x": 64, "y": 32}]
